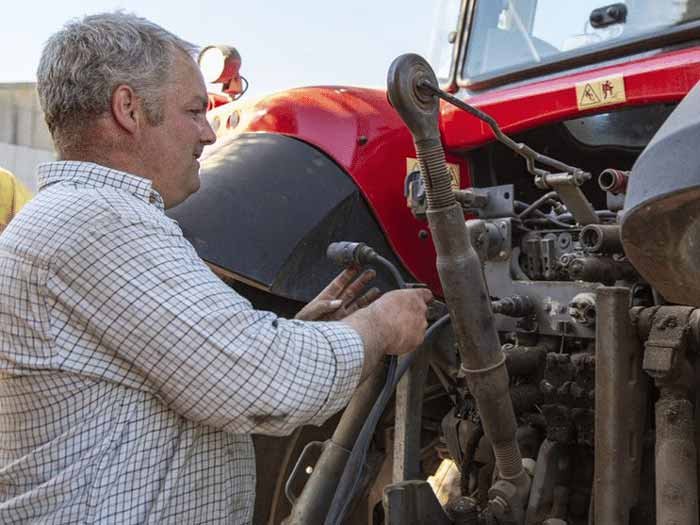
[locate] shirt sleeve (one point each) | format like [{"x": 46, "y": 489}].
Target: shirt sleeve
[{"x": 155, "y": 317}]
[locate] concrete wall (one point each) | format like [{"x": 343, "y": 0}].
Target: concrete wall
[
  {"x": 24, "y": 139},
  {"x": 22, "y": 161}
]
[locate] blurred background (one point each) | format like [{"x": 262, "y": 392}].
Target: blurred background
[{"x": 283, "y": 44}]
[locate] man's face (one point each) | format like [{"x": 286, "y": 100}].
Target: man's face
[{"x": 170, "y": 149}]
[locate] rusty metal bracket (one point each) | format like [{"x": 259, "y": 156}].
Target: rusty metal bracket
[
  {"x": 567, "y": 186},
  {"x": 665, "y": 349},
  {"x": 412, "y": 503},
  {"x": 667, "y": 359}
]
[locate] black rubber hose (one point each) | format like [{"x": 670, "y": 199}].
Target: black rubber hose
[
  {"x": 349, "y": 481},
  {"x": 539, "y": 202},
  {"x": 359, "y": 254}
]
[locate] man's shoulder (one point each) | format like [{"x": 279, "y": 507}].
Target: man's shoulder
[
  {"x": 76, "y": 206},
  {"x": 62, "y": 215}
]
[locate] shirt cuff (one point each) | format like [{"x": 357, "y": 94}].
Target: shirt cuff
[{"x": 348, "y": 350}]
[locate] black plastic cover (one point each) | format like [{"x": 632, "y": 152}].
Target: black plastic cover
[
  {"x": 268, "y": 207},
  {"x": 661, "y": 223}
]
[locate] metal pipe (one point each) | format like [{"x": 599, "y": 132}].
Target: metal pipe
[
  {"x": 600, "y": 269},
  {"x": 620, "y": 402},
  {"x": 408, "y": 419},
  {"x": 315, "y": 499},
  {"x": 461, "y": 274},
  {"x": 613, "y": 181},
  {"x": 676, "y": 460},
  {"x": 666, "y": 359},
  {"x": 601, "y": 238}
]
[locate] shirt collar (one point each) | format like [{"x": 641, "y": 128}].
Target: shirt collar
[{"x": 93, "y": 175}]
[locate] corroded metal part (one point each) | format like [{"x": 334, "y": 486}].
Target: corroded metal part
[
  {"x": 600, "y": 269},
  {"x": 601, "y": 238},
  {"x": 418, "y": 109},
  {"x": 567, "y": 187},
  {"x": 461, "y": 273},
  {"x": 313, "y": 503},
  {"x": 412, "y": 503},
  {"x": 676, "y": 459},
  {"x": 620, "y": 408},
  {"x": 667, "y": 359},
  {"x": 408, "y": 420},
  {"x": 613, "y": 181}
]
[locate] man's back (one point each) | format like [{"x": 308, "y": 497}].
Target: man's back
[
  {"x": 126, "y": 391},
  {"x": 83, "y": 436}
]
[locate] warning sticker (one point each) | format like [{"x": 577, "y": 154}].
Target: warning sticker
[
  {"x": 412, "y": 165},
  {"x": 601, "y": 92}
]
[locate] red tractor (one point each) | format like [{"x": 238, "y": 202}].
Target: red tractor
[{"x": 545, "y": 184}]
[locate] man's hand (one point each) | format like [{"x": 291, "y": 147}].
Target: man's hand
[
  {"x": 340, "y": 298},
  {"x": 401, "y": 316},
  {"x": 393, "y": 324}
]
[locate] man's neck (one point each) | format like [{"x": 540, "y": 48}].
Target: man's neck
[{"x": 114, "y": 160}]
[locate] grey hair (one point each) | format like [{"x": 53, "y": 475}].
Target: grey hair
[{"x": 83, "y": 63}]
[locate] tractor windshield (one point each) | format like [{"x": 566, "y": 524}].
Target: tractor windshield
[
  {"x": 507, "y": 36},
  {"x": 444, "y": 35}
]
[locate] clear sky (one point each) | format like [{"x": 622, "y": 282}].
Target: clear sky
[{"x": 283, "y": 43}]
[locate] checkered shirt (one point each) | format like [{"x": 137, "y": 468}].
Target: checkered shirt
[{"x": 130, "y": 375}]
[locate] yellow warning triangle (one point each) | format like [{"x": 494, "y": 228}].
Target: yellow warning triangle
[{"x": 589, "y": 96}]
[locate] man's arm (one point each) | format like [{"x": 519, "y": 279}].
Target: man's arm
[
  {"x": 154, "y": 317},
  {"x": 395, "y": 325}
]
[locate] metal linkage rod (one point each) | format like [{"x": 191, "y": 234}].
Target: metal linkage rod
[{"x": 521, "y": 149}]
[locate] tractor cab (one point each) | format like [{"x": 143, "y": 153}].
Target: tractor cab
[{"x": 505, "y": 41}]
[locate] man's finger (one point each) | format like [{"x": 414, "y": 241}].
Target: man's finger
[
  {"x": 425, "y": 294},
  {"x": 366, "y": 299},
  {"x": 354, "y": 288},
  {"x": 317, "y": 309},
  {"x": 339, "y": 284}
]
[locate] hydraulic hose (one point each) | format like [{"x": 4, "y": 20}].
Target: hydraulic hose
[
  {"x": 349, "y": 481},
  {"x": 347, "y": 254},
  {"x": 359, "y": 254}
]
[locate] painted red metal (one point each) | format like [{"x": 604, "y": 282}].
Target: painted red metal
[
  {"x": 663, "y": 78},
  {"x": 362, "y": 133},
  {"x": 358, "y": 129},
  {"x": 214, "y": 100}
]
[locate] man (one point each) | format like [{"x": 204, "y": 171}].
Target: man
[{"x": 131, "y": 377}]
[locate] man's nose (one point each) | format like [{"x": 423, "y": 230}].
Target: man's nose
[{"x": 208, "y": 134}]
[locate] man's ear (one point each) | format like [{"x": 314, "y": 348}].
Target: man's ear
[{"x": 127, "y": 108}]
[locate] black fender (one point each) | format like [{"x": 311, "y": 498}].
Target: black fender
[{"x": 268, "y": 207}]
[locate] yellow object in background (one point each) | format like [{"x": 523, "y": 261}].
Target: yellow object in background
[{"x": 13, "y": 195}]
